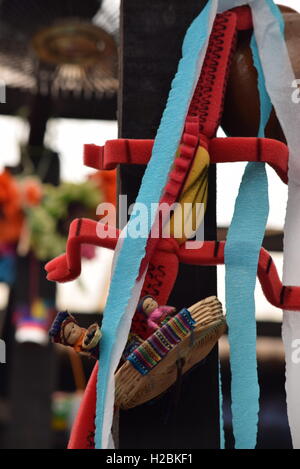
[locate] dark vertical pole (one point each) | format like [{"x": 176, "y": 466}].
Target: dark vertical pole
[
  {"x": 151, "y": 39},
  {"x": 39, "y": 114}
]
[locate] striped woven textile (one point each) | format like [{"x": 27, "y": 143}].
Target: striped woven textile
[{"x": 151, "y": 351}]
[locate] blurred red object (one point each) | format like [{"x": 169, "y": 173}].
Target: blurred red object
[
  {"x": 32, "y": 192},
  {"x": 11, "y": 215},
  {"x": 106, "y": 181}
]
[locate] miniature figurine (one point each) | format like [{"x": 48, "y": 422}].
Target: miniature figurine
[
  {"x": 66, "y": 331},
  {"x": 149, "y": 316}
]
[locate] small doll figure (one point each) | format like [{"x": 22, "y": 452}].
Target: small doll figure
[
  {"x": 66, "y": 331},
  {"x": 149, "y": 316}
]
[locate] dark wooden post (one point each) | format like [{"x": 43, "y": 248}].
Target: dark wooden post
[{"x": 151, "y": 39}]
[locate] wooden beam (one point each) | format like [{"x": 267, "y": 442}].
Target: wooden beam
[{"x": 151, "y": 39}]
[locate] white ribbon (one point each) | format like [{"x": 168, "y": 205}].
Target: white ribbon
[{"x": 279, "y": 77}]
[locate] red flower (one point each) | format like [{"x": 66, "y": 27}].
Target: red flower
[
  {"x": 31, "y": 192},
  {"x": 107, "y": 183},
  {"x": 11, "y": 216}
]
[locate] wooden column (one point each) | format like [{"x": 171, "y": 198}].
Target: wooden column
[{"x": 151, "y": 37}]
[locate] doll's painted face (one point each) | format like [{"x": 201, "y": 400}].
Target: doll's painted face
[
  {"x": 72, "y": 333},
  {"x": 149, "y": 305}
]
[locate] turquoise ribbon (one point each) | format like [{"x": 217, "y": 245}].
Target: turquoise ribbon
[
  {"x": 154, "y": 180},
  {"x": 222, "y": 433},
  {"x": 242, "y": 248}
]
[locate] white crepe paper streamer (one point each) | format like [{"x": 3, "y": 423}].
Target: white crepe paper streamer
[
  {"x": 111, "y": 443},
  {"x": 279, "y": 77},
  {"x": 121, "y": 340}
]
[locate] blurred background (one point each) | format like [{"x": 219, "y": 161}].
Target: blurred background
[{"x": 59, "y": 64}]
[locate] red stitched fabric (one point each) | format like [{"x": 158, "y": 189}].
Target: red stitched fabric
[
  {"x": 118, "y": 151},
  {"x": 212, "y": 253},
  {"x": 176, "y": 180},
  {"x": 221, "y": 150},
  {"x": 208, "y": 99},
  {"x": 162, "y": 271},
  {"x": 81, "y": 231},
  {"x": 244, "y": 17},
  {"x": 232, "y": 149}
]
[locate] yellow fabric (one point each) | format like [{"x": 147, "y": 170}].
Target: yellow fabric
[{"x": 186, "y": 219}]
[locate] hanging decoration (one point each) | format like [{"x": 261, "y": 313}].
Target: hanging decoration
[
  {"x": 41, "y": 213},
  {"x": 47, "y": 223},
  {"x": 34, "y": 227},
  {"x": 149, "y": 366},
  {"x": 177, "y": 165}
]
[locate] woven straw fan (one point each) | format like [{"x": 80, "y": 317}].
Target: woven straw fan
[{"x": 133, "y": 388}]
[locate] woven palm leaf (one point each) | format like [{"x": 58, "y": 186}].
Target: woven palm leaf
[{"x": 133, "y": 388}]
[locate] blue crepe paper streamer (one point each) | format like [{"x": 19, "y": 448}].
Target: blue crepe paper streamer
[
  {"x": 242, "y": 249},
  {"x": 222, "y": 434},
  {"x": 154, "y": 180},
  {"x": 241, "y": 256},
  {"x": 234, "y": 299}
]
